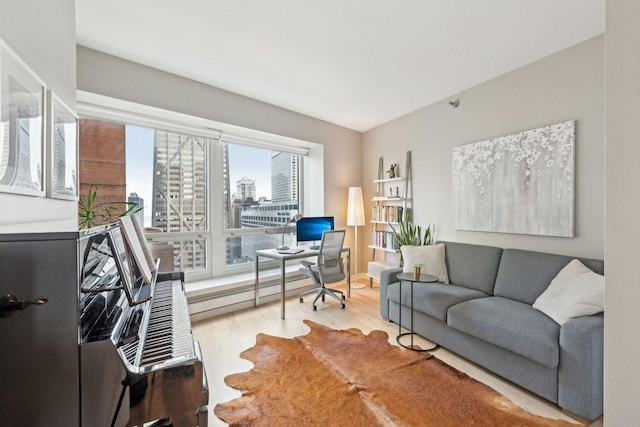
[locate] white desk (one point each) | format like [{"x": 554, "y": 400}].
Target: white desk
[{"x": 283, "y": 258}]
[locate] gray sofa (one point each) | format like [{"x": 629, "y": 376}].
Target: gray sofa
[{"x": 485, "y": 315}]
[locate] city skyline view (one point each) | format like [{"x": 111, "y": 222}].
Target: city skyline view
[{"x": 253, "y": 163}]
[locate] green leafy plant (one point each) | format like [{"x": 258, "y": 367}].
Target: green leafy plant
[
  {"x": 410, "y": 234},
  {"x": 92, "y": 213}
]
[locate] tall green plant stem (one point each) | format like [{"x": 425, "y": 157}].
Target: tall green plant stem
[{"x": 91, "y": 213}]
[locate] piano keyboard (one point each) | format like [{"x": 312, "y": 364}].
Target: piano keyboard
[{"x": 167, "y": 338}]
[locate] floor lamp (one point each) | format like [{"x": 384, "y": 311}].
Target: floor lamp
[{"x": 355, "y": 217}]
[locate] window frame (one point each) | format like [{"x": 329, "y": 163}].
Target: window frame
[{"x": 100, "y": 107}]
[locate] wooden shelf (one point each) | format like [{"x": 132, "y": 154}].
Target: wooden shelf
[
  {"x": 389, "y": 180},
  {"x": 388, "y": 199},
  {"x": 391, "y": 201}
]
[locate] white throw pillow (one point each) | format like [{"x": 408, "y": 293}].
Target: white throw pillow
[
  {"x": 576, "y": 291},
  {"x": 431, "y": 255}
]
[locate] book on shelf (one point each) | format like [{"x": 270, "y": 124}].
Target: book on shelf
[
  {"x": 386, "y": 213},
  {"x": 384, "y": 239}
]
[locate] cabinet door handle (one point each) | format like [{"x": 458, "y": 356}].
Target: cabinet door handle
[{"x": 9, "y": 304}]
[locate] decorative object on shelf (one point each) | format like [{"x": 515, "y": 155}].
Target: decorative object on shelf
[
  {"x": 396, "y": 170},
  {"x": 355, "y": 218},
  {"x": 497, "y": 182},
  {"x": 294, "y": 218},
  {"x": 62, "y": 149},
  {"x": 22, "y": 106},
  {"x": 392, "y": 170}
]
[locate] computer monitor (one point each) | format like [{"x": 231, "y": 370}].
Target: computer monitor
[{"x": 310, "y": 228}]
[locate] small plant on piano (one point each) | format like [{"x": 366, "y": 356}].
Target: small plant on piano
[{"x": 92, "y": 212}]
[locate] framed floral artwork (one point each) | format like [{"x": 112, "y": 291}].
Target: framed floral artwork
[
  {"x": 22, "y": 107},
  {"x": 62, "y": 149},
  {"x": 520, "y": 183}
]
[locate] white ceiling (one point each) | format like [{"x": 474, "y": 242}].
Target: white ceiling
[{"x": 356, "y": 63}]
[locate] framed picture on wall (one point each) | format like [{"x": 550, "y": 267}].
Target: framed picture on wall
[
  {"x": 520, "y": 183},
  {"x": 62, "y": 149},
  {"x": 22, "y": 110}
]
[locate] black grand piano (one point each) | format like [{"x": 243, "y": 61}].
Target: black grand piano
[{"x": 135, "y": 356}]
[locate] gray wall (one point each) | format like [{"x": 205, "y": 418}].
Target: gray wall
[
  {"x": 42, "y": 33},
  {"x": 622, "y": 256},
  {"x": 564, "y": 86}
]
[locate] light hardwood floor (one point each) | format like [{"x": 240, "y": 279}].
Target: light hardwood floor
[{"x": 223, "y": 338}]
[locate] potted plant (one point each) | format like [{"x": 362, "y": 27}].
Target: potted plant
[
  {"x": 413, "y": 235},
  {"x": 92, "y": 213}
]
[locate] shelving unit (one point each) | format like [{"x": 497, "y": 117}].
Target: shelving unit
[{"x": 391, "y": 202}]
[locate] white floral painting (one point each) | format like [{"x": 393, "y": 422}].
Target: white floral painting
[{"x": 521, "y": 183}]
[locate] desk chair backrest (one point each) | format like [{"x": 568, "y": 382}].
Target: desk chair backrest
[{"x": 330, "y": 267}]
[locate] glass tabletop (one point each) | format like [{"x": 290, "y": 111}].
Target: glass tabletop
[{"x": 424, "y": 278}]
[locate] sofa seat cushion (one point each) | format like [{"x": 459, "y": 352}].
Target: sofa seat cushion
[
  {"x": 432, "y": 299},
  {"x": 509, "y": 324}
]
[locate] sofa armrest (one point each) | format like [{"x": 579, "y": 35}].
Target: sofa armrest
[
  {"x": 386, "y": 278},
  {"x": 580, "y": 375}
]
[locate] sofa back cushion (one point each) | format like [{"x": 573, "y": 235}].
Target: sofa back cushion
[
  {"x": 524, "y": 275},
  {"x": 472, "y": 266}
]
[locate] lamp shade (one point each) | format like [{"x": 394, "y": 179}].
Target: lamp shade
[{"x": 355, "y": 207}]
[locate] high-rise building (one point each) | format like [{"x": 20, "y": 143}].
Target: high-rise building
[
  {"x": 226, "y": 189},
  {"x": 138, "y": 202},
  {"x": 179, "y": 184},
  {"x": 180, "y": 192},
  {"x": 284, "y": 177},
  {"x": 246, "y": 189}
]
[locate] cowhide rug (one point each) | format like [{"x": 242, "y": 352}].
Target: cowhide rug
[{"x": 346, "y": 378}]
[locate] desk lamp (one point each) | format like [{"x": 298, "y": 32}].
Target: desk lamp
[{"x": 294, "y": 218}]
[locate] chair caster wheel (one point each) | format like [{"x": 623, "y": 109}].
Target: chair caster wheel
[
  {"x": 301, "y": 300},
  {"x": 315, "y": 308},
  {"x": 343, "y": 298},
  {"x": 342, "y": 306}
]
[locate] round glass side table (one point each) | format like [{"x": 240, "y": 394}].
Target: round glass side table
[{"x": 410, "y": 277}]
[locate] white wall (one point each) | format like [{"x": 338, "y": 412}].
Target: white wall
[
  {"x": 42, "y": 33},
  {"x": 564, "y": 86},
  {"x": 622, "y": 256}
]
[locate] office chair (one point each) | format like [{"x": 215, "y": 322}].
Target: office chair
[{"x": 328, "y": 269}]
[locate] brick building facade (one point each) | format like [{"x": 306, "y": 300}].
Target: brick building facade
[{"x": 103, "y": 163}]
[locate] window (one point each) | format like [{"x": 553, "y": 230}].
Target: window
[
  {"x": 166, "y": 176},
  {"x": 261, "y": 193},
  {"x": 212, "y": 197}
]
